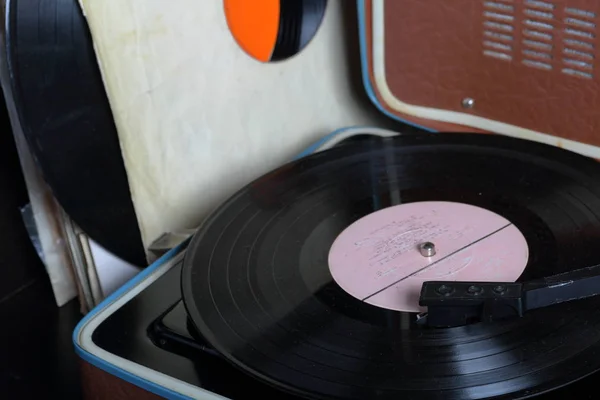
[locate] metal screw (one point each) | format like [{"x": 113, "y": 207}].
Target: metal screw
[
  {"x": 500, "y": 289},
  {"x": 427, "y": 249},
  {"x": 445, "y": 290},
  {"x": 468, "y": 102},
  {"x": 474, "y": 289}
]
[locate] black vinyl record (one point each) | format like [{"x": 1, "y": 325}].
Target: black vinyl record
[
  {"x": 257, "y": 285},
  {"x": 64, "y": 113}
]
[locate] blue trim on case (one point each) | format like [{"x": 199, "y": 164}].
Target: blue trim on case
[
  {"x": 108, "y": 367},
  {"x": 365, "y": 69}
]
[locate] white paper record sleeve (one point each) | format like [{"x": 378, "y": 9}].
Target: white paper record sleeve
[{"x": 197, "y": 116}]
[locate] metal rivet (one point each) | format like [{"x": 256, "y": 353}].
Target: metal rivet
[
  {"x": 468, "y": 102},
  {"x": 427, "y": 249},
  {"x": 500, "y": 289},
  {"x": 474, "y": 289},
  {"x": 445, "y": 290}
]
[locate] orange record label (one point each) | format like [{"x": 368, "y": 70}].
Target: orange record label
[{"x": 254, "y": 25}]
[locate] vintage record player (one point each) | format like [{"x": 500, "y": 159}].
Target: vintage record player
[{"x": 458, "y": 261}]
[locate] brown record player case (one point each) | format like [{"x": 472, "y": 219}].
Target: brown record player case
[
  {"x": 527, "y": 67},
  {"x": 98, "y": 384}
]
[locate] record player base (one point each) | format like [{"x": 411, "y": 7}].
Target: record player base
[{"x": 99, "y": 385}]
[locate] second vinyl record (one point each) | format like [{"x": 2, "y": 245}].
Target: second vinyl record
[
  {"x": 306, "y": 278},
  {"x": 65, "y": 116}
]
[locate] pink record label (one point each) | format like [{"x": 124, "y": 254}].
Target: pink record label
[{"x": 378, "y": 259}]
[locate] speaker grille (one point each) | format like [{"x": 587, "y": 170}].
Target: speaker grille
[
  {"x": 498, "y": 29},
  {"x": 540, "y": 34},
  {"x": 579, "y": 42}
]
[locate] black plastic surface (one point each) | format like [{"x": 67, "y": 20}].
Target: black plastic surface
[
  {"x": 451, "y": 304},
  {"x": 125, "y": 334},
  {"x": 65, "y": 115},
  {"x": 173, "y": 332}
]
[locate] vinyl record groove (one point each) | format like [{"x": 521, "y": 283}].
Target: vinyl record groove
[{"x": 257, "y": 284}]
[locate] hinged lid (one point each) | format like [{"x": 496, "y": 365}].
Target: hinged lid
[{"x": 525, "y": 68}]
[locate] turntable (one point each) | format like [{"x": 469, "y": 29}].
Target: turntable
[
  {"x": 397, "y": 265},
  {"x": 380, "y": 268}
]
